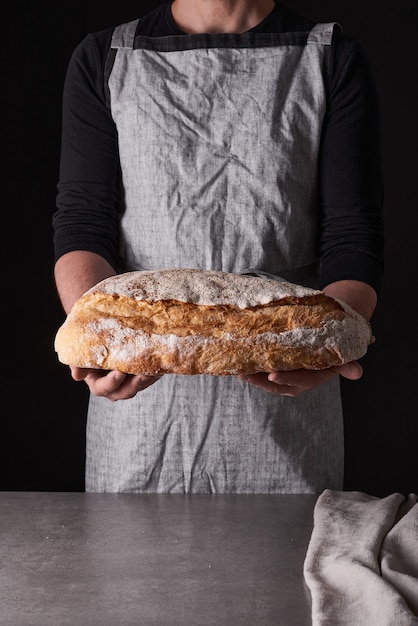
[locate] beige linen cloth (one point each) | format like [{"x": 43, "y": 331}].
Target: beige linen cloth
[{"x": 361, "y": 564}]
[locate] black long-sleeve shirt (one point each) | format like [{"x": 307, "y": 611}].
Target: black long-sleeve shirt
[{"x": 350, "y": 178}]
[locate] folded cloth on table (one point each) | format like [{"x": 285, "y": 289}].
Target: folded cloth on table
[{"x": 361, "y": 564}]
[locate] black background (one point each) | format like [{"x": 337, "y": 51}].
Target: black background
[{"x": 43, "y": 415}]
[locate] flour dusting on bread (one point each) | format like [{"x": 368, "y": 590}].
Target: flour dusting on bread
[{"x": 200, "y": 287}]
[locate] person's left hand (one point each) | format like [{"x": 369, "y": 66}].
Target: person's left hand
[{"x": 296, "y": 382}]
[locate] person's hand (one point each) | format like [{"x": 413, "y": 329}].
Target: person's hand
[
  {"x": 296, "y": 382},
  {"x": 113, "y": 385}
]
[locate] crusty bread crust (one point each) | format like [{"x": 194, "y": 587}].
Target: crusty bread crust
[{"x": 189, "y": 321}]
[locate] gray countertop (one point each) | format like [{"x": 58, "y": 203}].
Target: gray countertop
[{"x": 153, "y": 559}]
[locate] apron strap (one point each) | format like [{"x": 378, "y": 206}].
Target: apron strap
[
  {"x": 322, "y": 33},
  {"x": 124, "y": 35}
]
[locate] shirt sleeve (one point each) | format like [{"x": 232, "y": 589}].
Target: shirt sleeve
[
  {"x": 351, "y": 242},
  {"x": 89, "y": 188}
]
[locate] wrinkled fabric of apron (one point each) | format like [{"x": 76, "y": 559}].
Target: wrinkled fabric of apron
[{"x": 218, "y": 138}]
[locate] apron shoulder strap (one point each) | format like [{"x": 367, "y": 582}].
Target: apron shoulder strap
[
  {"x": 322, "y": 33},
  {"x": 124, "y": 35}
]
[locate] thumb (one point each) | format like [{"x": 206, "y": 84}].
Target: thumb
[
  {"x": 352, "y": 370},
  {"x": 78, "y": 373}
]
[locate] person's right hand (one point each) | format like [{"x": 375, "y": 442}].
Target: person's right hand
[{"x": 113, "y": 385}]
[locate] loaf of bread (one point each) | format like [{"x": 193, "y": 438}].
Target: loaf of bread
[{"x": 189, "y": 321}]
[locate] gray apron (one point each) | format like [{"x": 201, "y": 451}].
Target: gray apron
[{"x": 219, "y": 138}]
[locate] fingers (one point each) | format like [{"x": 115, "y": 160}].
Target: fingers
[
  {"x": 275, "y": 383},
  {"x": 113, "y": 385},
  {"x": 296, "y": 382},
  {"x": 129, "y": 387},
  {"x": 352, "y": 370},
  {"x": 262, "y": 380},
  {"x": 103, "y": 383},
  {"x": 78, "y": 373},
  {"x": 301, "y": 378}
]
